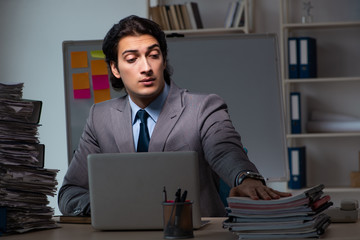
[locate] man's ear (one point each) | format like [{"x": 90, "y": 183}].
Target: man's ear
[{"x": 115, "y": 70}]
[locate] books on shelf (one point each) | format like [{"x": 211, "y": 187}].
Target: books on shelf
[
  {"x": 235, "y": 16},
  {"x": 299, "y": 216},
  {"x": 24, "y": 182},
  {"x": 177, "y": 16}
]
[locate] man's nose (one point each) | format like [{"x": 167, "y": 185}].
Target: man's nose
[{"x": 145, "y": 66}]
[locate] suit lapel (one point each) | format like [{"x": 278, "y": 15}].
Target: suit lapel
[
  {"x": 121, "y": 121},
  {"x": 169, "y": 115}
]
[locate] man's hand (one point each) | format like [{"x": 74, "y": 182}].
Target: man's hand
[{"x": 256, "y": 190}]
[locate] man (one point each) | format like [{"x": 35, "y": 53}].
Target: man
[{"x": 136, "y": 53}]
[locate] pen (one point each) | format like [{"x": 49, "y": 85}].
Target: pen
[
  {"x": 164, "y": 194},
  {"x": 178, "y": 207},
  {"x": 183, "y": 197},
  {"x": 177, "y": 195}
]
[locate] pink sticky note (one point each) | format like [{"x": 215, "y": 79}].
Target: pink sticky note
[
  {"x": 82, "y": 93},
  {"x": 100, "y": 82}
]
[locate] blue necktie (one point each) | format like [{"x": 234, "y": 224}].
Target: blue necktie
[{"x": 144, "y": 137}]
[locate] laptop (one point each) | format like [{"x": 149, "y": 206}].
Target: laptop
[{"x": 126, "y": 189}]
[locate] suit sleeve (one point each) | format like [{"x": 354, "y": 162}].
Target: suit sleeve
[
  {"x": 73, "y": 196},
  {"x": 220, "y": 141}
]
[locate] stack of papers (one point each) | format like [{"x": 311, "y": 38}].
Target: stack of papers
[
  {"x": 11, "y": 91},
  {"x": 23, "y": 193},
  {"x": 24, "y": 184},
  {"x": 22, "y": 154},
  {"x": 20, "y": 110},
  {"x": 299, "y": 216},
  {"x": 19, "y": 132}
]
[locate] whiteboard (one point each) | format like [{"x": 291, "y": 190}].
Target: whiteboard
[{"x": 243, "y": 69}]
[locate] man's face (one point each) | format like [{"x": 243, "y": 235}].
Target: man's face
[{"x": 141, "y": 68}]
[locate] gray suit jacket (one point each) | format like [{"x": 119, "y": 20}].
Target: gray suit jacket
[{"x": 188, "y": 122}]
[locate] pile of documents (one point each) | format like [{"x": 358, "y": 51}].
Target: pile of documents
[
  {"x": 11, "y": 91},
  {"x": 24, "y": 183},
  {"x": 299, "y": 216}
]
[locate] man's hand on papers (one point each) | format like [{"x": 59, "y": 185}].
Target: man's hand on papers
[{"x": 256, "y": 190}]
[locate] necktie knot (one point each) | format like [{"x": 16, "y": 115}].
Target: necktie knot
[{"x": 142, "y": 115}]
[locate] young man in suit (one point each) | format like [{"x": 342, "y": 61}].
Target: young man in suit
[{"x": 178, "y": 120}]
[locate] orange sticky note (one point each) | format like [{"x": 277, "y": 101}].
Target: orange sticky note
[
  {"x": 101, "y": 95},
  {"x": 98, "y": 67},
  {"x": 81, "y": 80},
  {"x": 79, "y": 59}
]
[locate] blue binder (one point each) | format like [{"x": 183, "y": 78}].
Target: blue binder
[
  {"x": 297, "y": 164},
  {"x": 293, "y": 57},
  {"x": 295, "y": 112},
  {"x": 307, "y": 57}
]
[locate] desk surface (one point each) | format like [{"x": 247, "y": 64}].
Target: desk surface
[{"x": 212, "y": 231}]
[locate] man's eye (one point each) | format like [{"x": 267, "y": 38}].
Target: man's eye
[
  {"x": 155, "y": 56},
  {"x": 131, "y": 60}
]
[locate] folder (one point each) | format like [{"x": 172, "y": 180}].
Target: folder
[
  {"x": 307, "y": 56},
  {"x": 21, "y": 110},
  {"x": 293, "y": 57},
  {"x": 295, "y": 112},
  {"x": 36, "y": 114},
  {"x": 297, "y": 164}
]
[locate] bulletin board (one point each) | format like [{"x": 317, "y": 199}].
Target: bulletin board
[
  {"x": 86, "y": 83},
  {"x": 242, "y": 68}
]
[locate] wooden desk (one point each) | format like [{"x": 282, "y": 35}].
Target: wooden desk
[{"x": 212, "y": 231}]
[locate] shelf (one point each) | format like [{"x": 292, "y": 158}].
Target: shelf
[
  {"x": 335, "y": 91},
  {"x": 319, "y": 80},
  {"x": 320, "y": 25},
  {"x": 322, "y": 135},
  {"x": 208, "y": 31},
  {"x": 245, "y": 28}
]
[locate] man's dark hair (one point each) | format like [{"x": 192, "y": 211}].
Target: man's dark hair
[{"x": 132, "y": 26}]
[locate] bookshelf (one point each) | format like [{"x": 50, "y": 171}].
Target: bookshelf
[
  {"x": 207, "y": 29},
  {"x": 330, "y": 155}
]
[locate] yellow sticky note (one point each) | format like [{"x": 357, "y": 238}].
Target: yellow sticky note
[
  {"x": 81, "y": 80},
  {"x": 79, "y": 59},
  {"x": 101, "y": 95},
  {"x": 97, "y": 54},
  {"x": 98, "y": 67}
]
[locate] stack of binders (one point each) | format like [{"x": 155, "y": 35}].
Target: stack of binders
[
  {"x": 299, "y": 216},
  {"x": 24, "y": 182},
  {"x": 302, "y": 57}
]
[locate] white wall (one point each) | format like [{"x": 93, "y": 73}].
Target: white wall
[{"x": 31, "y": 39}]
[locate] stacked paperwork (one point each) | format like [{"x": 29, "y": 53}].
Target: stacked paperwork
[
  {"x": 24, "y": 184},
  {"x": 11, "y": 91},
  {"x": 299, "y": 216}
]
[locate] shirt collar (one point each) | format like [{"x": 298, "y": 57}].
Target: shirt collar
[{"x": 154, "y": 107}]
